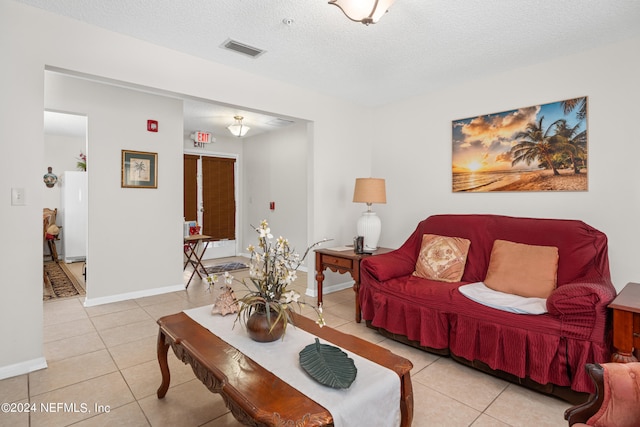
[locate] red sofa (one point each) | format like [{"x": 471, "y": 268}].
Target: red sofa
[{"x": 546, "y": 352}]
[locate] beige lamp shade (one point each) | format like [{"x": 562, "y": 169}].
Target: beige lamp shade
[{"x": 369, "y": 190}]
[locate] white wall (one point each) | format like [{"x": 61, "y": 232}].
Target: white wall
[
  {"x": 416, "y": 160},
  {"x": 275, "y": 169},
  {"x": 129, "y": 228},
  {"x": 21, "y": 150},
  {"x": 338, "y": 136}
]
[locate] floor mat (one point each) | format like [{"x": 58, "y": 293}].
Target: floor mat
[
  {"x": 59, "y": 282},
  {"x": 221, "y": 268}
]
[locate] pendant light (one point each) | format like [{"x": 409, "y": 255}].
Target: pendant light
[
  {"x": 237, "y": 128},
  {"x": 365, "y": 11}
]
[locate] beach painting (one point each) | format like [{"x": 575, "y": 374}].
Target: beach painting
[{"x": 539, "y": 148}]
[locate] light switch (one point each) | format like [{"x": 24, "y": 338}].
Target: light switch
[{"x": 17, "y": 197}]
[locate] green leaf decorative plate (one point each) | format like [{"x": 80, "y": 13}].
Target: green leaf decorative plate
[{"x": 328, "y": 365}]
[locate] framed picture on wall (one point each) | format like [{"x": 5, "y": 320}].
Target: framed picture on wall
[
  {"x": 139, "y": 169},
  {"x": 537, "y": 148}
]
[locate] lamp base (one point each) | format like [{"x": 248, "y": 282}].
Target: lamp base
[{"x": 369, "y": 226}]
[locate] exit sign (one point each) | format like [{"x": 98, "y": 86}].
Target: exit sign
[{"x": 202, "y": 137}]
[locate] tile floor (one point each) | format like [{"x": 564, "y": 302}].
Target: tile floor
[{"x": 103, "y": 360}]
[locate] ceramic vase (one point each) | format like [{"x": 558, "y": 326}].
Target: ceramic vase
[{"x": 259, "y": 328}]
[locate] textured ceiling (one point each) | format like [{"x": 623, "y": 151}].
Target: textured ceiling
[{"x": 417, "y": 47}]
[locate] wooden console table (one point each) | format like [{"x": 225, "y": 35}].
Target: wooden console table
[
  {"x": 255, "y": 396},
  {"x": 342, "y": 261},
  {"x": 626, "y": 324}
]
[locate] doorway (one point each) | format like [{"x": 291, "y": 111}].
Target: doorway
[
  {"x": 210, "y": 200},
  {"x": 65, "y": 195},
  {"x": 117, "y": 111}
]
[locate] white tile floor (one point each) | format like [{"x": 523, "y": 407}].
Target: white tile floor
[{"x": 106, "y": 355}]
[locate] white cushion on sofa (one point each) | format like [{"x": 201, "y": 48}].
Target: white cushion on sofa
[{"x": 479, "y": 293}]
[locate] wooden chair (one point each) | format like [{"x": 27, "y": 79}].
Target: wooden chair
[
  {"x": 616, "y": 401},
  {"x": 49, "y": 219}
]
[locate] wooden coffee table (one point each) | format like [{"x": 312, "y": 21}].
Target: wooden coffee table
[{"x": 255, "y": 396}]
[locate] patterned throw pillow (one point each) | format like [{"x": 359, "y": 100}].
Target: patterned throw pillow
[{"x": 442, "y": 258}]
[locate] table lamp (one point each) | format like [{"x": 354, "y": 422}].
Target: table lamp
[{"x": 369, "y": 191}]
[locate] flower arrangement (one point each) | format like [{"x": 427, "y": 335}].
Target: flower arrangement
[
  {"x": 212, "y": 279},
  {"x": 82, "y": 162},
  {"x": 272, "y": 268}
]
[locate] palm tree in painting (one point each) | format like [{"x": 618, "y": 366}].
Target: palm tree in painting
[
  {"x": 139, "y": 167},
  {"x": 571, "y": 141},
  {"x": 568, "y": 105},
  {"x": 535, "y": 144}
]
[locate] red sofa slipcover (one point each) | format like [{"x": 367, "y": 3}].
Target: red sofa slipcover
[{"x": 544, "y": 350}]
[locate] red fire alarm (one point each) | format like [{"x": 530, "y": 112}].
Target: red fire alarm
[
  {"x": 152, "y": 125},
  {"x": 272, "y": 206}
]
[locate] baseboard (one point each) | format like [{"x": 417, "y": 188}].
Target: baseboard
[
  {"x": 90, "y": 302},
  {"x": 329, "y": 289},
  {"x": 22, "y": 368}
]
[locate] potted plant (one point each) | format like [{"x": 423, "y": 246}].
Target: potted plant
[
  {"x": 82, "y": 162},
  {"x": 266, "y": 307}
]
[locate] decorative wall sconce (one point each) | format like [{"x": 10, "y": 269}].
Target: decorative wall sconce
[{"x": 367, "y": 12}]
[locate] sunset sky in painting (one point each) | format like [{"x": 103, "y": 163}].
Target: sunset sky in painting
[{"x": 483, "y": 143}]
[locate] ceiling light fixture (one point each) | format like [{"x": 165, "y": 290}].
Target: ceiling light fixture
[
  {"x": 237, "y": 128},
  {"x": 367, "y": 12}
]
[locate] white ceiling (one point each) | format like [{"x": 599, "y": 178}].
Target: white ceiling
[
  {"x": 215, "y": 118},
  {"x": 64, "y": 124},
  {"x": 417, "y": 47}
]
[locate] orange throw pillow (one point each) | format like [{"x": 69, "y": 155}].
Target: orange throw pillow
[
  {"x": 525, "y": 270},
  {"x": 442, "y": 258}
]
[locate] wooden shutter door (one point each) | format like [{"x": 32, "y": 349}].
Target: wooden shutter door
[
  {"x": 190, "y": 202},
  {"x": 218, "y": 194}
]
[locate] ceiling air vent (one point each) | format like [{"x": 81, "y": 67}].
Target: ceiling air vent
[
  {"x": 278, "y": 122},
  {"x": 245, "y": 49}
]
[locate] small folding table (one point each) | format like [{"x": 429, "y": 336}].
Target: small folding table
[{"x": 191, "y": 251}]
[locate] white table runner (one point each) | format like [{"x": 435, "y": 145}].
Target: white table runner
[{"x": 372, "y": 400}]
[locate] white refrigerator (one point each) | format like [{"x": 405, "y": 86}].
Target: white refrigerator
[{"x": 73, "y": 212}]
